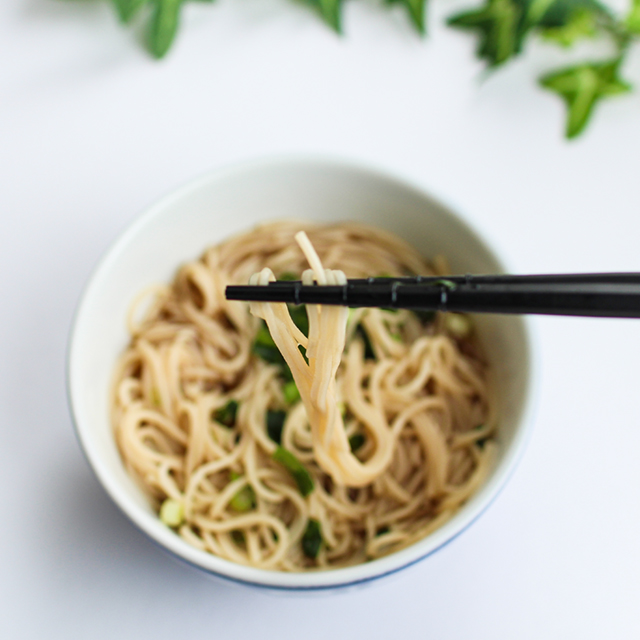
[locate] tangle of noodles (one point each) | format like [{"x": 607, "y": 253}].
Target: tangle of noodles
[{"x": 392, "y": 435}]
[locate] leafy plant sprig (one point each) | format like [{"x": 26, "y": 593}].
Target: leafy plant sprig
[{"x": 502, "y": 27}]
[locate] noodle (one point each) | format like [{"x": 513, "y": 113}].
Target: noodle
[{"x": 323, "y": 459}]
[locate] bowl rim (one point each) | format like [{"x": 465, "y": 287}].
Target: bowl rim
[{"x": 315, "y": 580}]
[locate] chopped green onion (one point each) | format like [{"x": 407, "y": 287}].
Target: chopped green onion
[
  {"x": 244, "y": 500},
  {"x": 296, "y": 469},
  {"x": 447, "y": 284},
  {"x": 425, "y": 317},
  {"x": 238, "y": 537},
  {"x": 480, "y": 442},
  {"x": 172, "y": 513},
  {"x": 312, "y": 539},
  {"x": 382, "y": 530},
  {"x": 155, "y": 397},
  {"x": 265, "y": 348},
  {"x": 275, "y": 423},
  {"x": 356, "y": 441},
  {"x": 300, "y": 318},
  {"x": 288, "y": 276},
  {"x": 457, "y": 324},
  {"x": 268, "y": 354},
  {"x": 291, "y": 392},
  {"x": 263, "y": 336},
  {"x": 227, "y": 415},
  {"x": 369, "y": 353}
]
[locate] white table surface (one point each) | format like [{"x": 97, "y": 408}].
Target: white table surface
[{"x": 92, "y": 131}]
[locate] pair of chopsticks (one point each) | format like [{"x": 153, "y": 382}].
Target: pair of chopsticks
[{"x": 610, "y": 295}]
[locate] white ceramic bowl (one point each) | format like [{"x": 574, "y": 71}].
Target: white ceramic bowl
[{"x": 206, "y": 211}]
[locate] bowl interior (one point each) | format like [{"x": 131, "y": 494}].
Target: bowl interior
[{"x": 205, "y": 212}]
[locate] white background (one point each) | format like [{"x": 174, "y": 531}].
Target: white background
[{"x": 92, "y": 131}]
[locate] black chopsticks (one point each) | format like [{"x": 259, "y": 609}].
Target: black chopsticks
[{"x": 612, "y": 295}]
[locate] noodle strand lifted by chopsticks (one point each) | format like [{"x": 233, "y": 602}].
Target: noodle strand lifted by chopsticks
[
  {"x": 316, "y": 379},
  {"x": 387, "y": 414}
]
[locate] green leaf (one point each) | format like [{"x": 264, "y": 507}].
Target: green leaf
[
  {"x": 417, "y": 13},
  {"x": 582, "y": 86},
  {"x": 536, "y": 10},
  {"x": 500, "y": 25},
  {"x": 331, "y": 11},
  {"x": 566, "y": 21},
  {"x": 312, "y": 539},
  {"x": 582, "y": 24},
  {"x": 560, "y": 13},
  {"x": 164, "y": 25},
  {"x": 297, "y": 470},
  {"x": 127, "y": 9},
  {"x": 632, "y": 21}
]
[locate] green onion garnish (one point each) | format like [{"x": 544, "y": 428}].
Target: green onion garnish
[
  {"x": 448, "y": 284},
  {"x": 265, "y": 348},
  {"x": 227, "y": 415},
  {"x": 295, "y": 468},
  {"x": 356, "y": 441},
  {"x": 172, "y": 513},
  {"x": 238, "y": 537},
  {"x": 275, "y": 423},
  {"x": 290, "y": 392},
  {"x": 299, "y": 317},
  {"x": 312, "y": 539},
  {"x": 244, "y": 500},
  {"x": 369, "y": 354},
  {"x": 155, "y": 397},
  {"x": 425, "y": 317}
]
